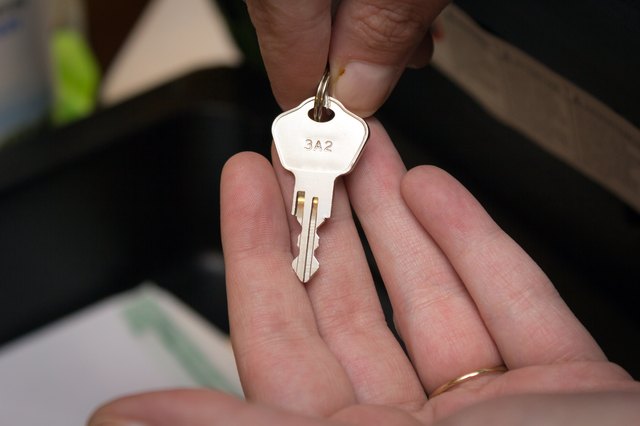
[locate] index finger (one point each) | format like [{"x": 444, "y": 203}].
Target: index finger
[
  {"x": 294, "y": 39},
  {"x": 281, "y": 358}
]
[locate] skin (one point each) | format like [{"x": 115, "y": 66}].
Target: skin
[
  {"x": 368, "y": 44},
  {"x": 465, "y": 296}
]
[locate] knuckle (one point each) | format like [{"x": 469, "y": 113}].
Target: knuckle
[
  {"x": 283, "y": 28},
  {"x": 287, "y": 18},
  {"x": 389, "y": 27}
]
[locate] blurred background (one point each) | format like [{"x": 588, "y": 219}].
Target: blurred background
[{"x": 116, "y": 118}]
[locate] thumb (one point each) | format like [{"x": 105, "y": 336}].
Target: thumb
[
  {"x": 194, "y": 407},
  {"x": 372, "y": 43}
]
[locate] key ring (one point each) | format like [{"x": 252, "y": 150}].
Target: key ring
[{"x": 322, "y": 95}]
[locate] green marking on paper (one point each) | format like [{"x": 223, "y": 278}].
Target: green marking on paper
[{"x": 146, "y": 316}]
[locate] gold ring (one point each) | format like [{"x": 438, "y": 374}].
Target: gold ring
[{"x": 466, "y": 377}]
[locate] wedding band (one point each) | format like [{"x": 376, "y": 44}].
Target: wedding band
[{"x": 466, "y": 377}]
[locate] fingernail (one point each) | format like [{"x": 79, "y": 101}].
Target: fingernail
[{"x": 363, "y": 87}]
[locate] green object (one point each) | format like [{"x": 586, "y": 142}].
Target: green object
[
  {"x": 76, "y": 76},
  {"x": 144, "y": 316}
]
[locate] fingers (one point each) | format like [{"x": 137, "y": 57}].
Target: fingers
[
  {"x": 193, "y": 408},
  {"x": 372, "y": 43},
  {"x": 348, "y": 313},
  {"x": 281, "y": 358},
  {"x": 437, "y": 319},
  {"x": 294, "y": 39},
  {"x": 526, "y": 317}
]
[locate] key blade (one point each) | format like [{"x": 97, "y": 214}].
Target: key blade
[
  {"x": 313, "y": 184},
  {"x": 306, "y": 264},
  {"x": 311, "y": 206}
]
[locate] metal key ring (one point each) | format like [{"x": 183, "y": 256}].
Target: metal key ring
[{"x": 322, "y": 95}]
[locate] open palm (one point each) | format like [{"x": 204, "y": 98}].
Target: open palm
[{"x": 465, "y": 296}]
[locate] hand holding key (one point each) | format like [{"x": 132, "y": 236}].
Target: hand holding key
[
  {"x": 367, "y": 42},
  {"x": 465, "y": 297}
]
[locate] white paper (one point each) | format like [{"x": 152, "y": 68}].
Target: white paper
[{"x": 59, "y": 375}]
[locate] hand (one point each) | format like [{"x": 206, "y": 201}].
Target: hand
[
  {"x": 465, "y": 297},
  {"x": 368, "y": 44}
]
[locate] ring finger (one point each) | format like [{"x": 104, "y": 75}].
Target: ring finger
[{"x": 525, "y": 315}]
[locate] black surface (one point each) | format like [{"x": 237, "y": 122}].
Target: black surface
[
  {"x": 593, "y": 43},
  {"x": 126, "y": 195}
]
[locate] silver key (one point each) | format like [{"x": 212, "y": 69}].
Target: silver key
[{"x": 316, "y": 153}]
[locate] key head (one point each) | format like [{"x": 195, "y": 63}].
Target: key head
[{"x": 331, "y": 147}]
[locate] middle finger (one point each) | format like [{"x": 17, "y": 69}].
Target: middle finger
[{"x": 436, "y": 317}]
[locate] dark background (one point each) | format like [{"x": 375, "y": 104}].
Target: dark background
[{"x": 131, "y": 193}]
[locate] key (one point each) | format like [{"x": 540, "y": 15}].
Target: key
[{"x": 316, "y": 152}]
